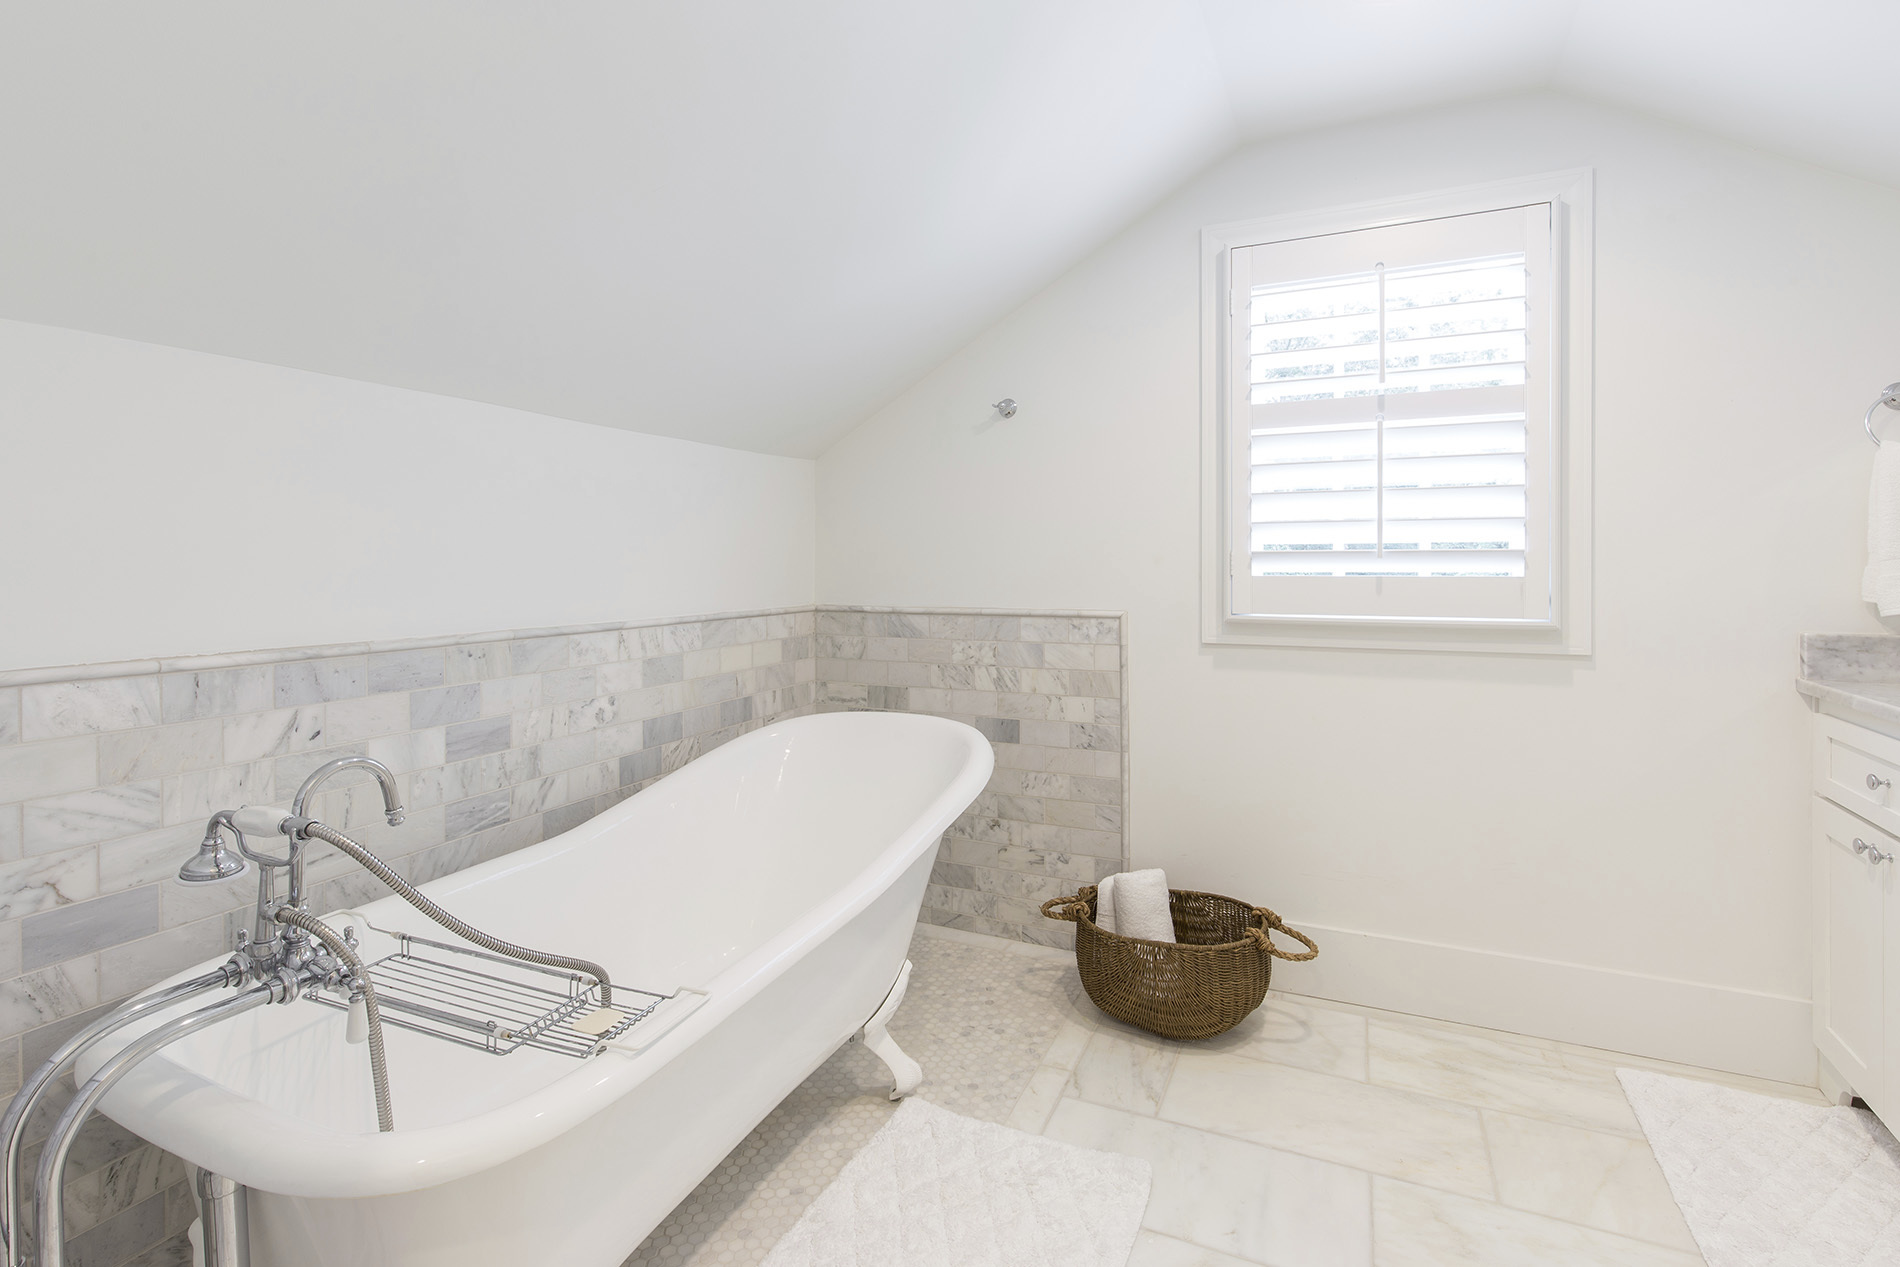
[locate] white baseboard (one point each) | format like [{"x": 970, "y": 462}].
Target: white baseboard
[{"x": 1741, "y": 1031}]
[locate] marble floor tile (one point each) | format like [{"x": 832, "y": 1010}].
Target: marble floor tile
[
  {"x": 1123, "y": 1071},
  {"x": 1071, "y": 1041},
  {"x": 1493, "y": 1071},
  {"x": 1598, "y": 1179},
  {"x": 1038, "y": 1100},
  {"x": 1294, "y": 1032},
  {"x": 1152, "y": 1249},
  {"x": 1419, "y": 1227},
  {"x": 1380, "y": 1129},
  {"x": 1259, "y": 1203}
]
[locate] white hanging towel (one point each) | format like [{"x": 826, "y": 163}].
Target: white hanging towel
[
  {"x": 1880, "y": 584},
  {"x": 1105, "y": 905},
  {"x": 1141, "y": 905}
]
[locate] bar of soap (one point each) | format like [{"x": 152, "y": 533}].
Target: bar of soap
[{"x": 598, "y": 1021}]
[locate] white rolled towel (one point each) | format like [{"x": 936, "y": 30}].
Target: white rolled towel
[
  {"x": 1141, "y": 905},
  {"x": 1105, "y": 905}
]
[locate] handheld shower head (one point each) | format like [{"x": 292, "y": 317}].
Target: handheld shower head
[{"x": 213, "y": 862}]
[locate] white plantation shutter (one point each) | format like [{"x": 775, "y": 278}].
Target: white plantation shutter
[{"x": 1392, "y": 437}]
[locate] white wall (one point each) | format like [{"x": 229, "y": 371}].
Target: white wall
[
  {"x": 1608, "y": 849},
  {"x": 164, "y": 502}
]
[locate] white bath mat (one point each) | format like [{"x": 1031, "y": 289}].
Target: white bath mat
[
  {"x": 1765, "y": 1182},
  {"x": 935, "y": 1189}
]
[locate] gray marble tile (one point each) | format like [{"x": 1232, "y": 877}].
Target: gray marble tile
[
  {"x": 39, "y": 884},
  {"x": 254, "y": 736},
  {"x": 477, "y": 738},
  {"x": 594, "y": 648},
  {"x": 407, "y": 670},
  {"x": 568, "y": 817},
  {"x": 195, "y": 796},
  {"x": 659, "y": 670},
  {"x": 476, "y": 813},
  {"x": 11, "y": 846},
  {"x": 148, "y": 858},
  {"x": 354, "y": 720},
  {"x": 215, "y": 692},
  {"x": 117, "y": 1239},
  {"x": 477, "y": 662},
  {"x": 159, "y": 751},
  {"x": 566, "y": 753},
  {"x": 1000, "y": 729},
  {"x": 510, "y": 695},
  {"x": 289, "y": 771},
  {"x": 174, "y": 1251},
  {"x": 134, "y": 965},
  {"x": 9, "y": 714},
  {"x": 537, "y": 655},
  {"x": 60, "y": 710},
  {"x": 638, "y": 767},
  {"x": 537, "y": 797},
  {"x": 567, "y": 684},
  {"x": 84, "y": 927},
  {"x": 84, "y": 818},
  {"x": 50, "y": 994},
  {"x": 32, "y": 770},
  {"x": 444, "y": 705},
  {"x": 662, "y": 730},
  {"x": 404, "y": 754},
  {"x": 319, "y": 681}
]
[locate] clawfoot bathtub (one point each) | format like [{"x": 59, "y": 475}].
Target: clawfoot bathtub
[{"x": 769, "y": 888}]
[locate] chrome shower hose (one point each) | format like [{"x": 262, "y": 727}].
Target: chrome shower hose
[
  {"x": 378, "y": 1068},
  {"x": 407, "y": 892}
]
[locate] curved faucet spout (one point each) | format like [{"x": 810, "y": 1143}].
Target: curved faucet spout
[{"x": 392, "y": 799}]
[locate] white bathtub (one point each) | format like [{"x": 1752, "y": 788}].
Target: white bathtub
[{"x": 780, "y": 874}]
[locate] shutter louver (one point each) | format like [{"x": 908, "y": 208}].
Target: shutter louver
[{"x": 1426, "y": 475}]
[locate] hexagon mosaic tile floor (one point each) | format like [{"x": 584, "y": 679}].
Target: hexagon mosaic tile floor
[{"x": 978, "y": 1019}]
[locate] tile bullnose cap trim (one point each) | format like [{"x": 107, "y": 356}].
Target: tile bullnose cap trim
[{"x": 280, "y": 655}]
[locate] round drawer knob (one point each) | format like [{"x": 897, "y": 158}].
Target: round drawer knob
[
  {"x": 1875, "y": 783},
  {"x": 1872, "y": 851}
]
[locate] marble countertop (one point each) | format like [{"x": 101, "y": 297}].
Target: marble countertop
[{"x": 1856, "y": 671}]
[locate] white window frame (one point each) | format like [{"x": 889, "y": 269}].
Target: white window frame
[{"x": 1568, "y": 629}]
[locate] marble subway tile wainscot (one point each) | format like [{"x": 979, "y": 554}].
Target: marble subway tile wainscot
[
  {"x": 9, "y": 714},
  {"x": 31, "y": 885},
  {"x": 477, "y": 738},
  {"x": 407, "y": 670},
  {"x": 60, "y": 710},
  {"x": 67, "y": 932},
  {"x": 1047, "y": 690},
  {"x": 216, "y": 693},
  {"x": 33, "y": 770},
  {"x": 84, "y": 818},
  {"x": 319, "y": 681},
  {"x": 160, "y": 750}
]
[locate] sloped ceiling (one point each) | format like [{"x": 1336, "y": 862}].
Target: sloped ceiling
[{"x": 746, "y": 223}]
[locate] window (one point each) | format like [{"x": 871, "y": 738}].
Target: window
[{"x": 1398, "y": 424}]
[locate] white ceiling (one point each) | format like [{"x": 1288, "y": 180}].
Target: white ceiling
[{"x": 747, "y": 223}]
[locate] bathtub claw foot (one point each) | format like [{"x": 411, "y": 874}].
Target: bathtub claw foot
[{"x": 906, "y": 1073}]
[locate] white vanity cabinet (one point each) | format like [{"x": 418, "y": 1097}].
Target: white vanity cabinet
[{"x": 1857, "y": 909}]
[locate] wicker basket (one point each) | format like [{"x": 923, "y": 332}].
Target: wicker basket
[{"x": 1202, "y": 984}]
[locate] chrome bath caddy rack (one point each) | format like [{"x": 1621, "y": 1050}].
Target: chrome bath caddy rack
[{"x": 492, "y": 1003}]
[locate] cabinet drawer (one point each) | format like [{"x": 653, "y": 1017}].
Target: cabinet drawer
[{"x": 1857, "y": 768}]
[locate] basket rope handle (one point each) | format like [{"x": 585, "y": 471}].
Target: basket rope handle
[
  {"x": 1262, "y": 938},
  {"x": 1073, "y": 908}
]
